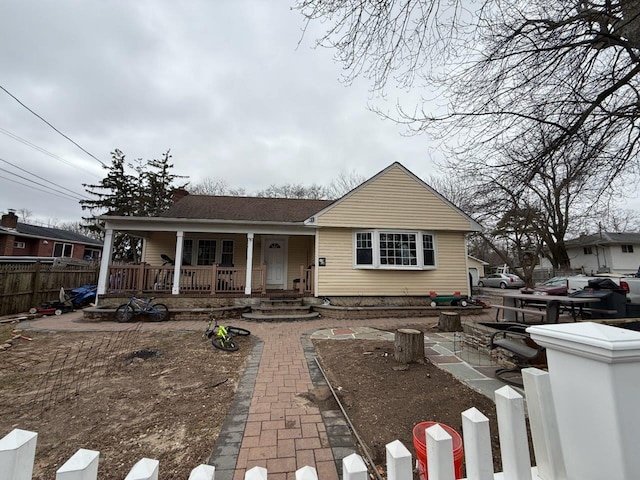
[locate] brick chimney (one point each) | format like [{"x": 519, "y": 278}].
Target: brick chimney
[
  {"x": 9, "y": 220},
  {"x": 178, "y": 194}
]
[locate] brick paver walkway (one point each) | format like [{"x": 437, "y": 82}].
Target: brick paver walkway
[{"x": 283, "y": 431}]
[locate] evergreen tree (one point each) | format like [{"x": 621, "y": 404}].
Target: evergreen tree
[{"x": 142, "y": 188}]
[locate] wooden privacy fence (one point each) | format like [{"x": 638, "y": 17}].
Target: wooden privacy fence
[
  {"x": 23, "y": 286},
  {"x": 582, "y": 417}
]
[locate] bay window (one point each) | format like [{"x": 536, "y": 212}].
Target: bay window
[{"x": 394, "y": 250}]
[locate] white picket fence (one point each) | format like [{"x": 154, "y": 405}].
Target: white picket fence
[{"x": 582, "y": 415}]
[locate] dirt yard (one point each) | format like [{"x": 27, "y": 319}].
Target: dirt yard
[
  {"x": 385, "y": 401},
  {"x": 132, "y": 395},
  {"x": 128, "y": 395}
]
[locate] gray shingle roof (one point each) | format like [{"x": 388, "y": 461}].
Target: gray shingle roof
[
  {"x": 51, "y": 233},
  {"x": 605, "y": 238},
  {"x": 286, "y": 210}
]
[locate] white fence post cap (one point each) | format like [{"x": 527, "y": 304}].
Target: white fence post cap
[
  {"x": 16, "y": 438},
  {"x": 203, "y": 472},
  {"x": 589, "y": 340},
  {"x": 397, "y": 449},
  {"x": 145, "y": 469},
  {"x": 306, "y": 473},
  {"x": 256, "y": 473},
  {"x": 82, "y": 464}
]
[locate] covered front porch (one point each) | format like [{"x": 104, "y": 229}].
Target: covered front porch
[{"x": 210, "y": 259}]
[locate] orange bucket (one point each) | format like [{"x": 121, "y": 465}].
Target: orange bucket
[{"x": 420, "y": 446}]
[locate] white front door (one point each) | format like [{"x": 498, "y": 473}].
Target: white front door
[{"x": 275, "y": 256}]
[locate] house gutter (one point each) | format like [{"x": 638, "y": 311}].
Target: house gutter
[
  {"x": 16, "y": 233},
  {"x": 198, "y": 225}
]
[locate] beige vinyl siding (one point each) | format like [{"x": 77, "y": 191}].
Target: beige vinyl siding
[
  {"x": 339, "y": 277},
  {"x": 158, "y": 243},
  {"x": 300, "y": 253},
  {"x": 395, "y": 199}
]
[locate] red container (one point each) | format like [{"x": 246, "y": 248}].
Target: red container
[{"x": 420, "y": 446}]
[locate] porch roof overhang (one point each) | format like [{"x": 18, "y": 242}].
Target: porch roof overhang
[{"x": 141, "y": 226}]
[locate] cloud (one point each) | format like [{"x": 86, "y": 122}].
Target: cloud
[{"x": 223, "y": 84}]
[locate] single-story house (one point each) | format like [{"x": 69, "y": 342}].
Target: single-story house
[
  {"x": 23, "y": 241},
  {"x": 605, "y": 252},
  {"x": 392, "y": 236}
]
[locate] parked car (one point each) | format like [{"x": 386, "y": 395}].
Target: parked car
[
  {"x": 502, "y": 280},
  {"x": 553, "y": 286}
]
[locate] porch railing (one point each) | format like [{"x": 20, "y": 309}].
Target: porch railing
[
  {"x": 195, "y": 279},
  {"x": 305, "y": 280}
]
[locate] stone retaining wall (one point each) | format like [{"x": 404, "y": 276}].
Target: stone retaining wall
[{"x": 390, "y": 311}]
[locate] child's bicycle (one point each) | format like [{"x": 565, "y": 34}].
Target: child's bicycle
[
  {"x": 222, "y": 336},
  {"x": 157, "y": 312}
]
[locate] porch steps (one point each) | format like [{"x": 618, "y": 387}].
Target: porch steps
[
  {"x": 280, "y": 318},
  {"x": 280, "y": 310}
]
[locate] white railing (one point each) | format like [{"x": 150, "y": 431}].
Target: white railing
[{"x": 582, "y": 417}]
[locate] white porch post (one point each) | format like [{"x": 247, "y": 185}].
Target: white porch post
[
  {"x": 175, "y": 289},
  {"x": 104, "y": 263},
  {"x": 595, "y": 385},
  {"x": 247, "y": 280}
]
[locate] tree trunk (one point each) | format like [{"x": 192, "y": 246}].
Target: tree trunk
[
  {"x": 449, "y": 322},
  {"x": 409, "y": 346}
]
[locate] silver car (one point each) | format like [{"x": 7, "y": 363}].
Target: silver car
[{"x": 502, "y": 280}]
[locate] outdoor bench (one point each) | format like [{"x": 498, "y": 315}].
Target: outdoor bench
[
  {"x": 518, "y": 310},
  {"x": 518, "y": 342},
  {"x": 596, "y": 310}
]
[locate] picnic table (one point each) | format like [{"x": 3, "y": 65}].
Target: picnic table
[{"x": 515, "y": 304}]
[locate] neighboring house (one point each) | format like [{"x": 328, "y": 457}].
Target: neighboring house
[
  {"x": 476, "y": 269},
  {"x": 605, "y": 252},
  {"x": 23, "y": 241},
  {"x": 391, "y": 236}
]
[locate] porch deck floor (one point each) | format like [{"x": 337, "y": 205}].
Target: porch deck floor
[{"x": 280, "y": 432}]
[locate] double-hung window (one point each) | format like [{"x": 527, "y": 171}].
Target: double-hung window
[
  {"x": 364, "y": 248},
  {"x": 388, "y": 249},
  {"x": 207, "y": 252},
  {"x": 428, "y": 250}
]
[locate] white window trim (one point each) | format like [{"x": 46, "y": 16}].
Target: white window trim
[
  {"x": 64, "y": 246},
  {"x": 218, "y": 259},
  {"x": 375, "y": 241},
  {"x": 20, "y": 245}
]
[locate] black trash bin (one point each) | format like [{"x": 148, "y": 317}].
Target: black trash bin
[{"x": 612, "y": 300}]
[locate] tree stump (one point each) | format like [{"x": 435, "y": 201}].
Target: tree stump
[
  {"x": 449, "y": 322},
  {"x": 409, "y": 346}
]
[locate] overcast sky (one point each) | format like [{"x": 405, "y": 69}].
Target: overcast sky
[{"x": 223, "y": 84}]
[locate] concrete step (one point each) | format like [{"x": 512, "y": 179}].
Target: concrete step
[
  {"x": 281, "y": 309},
  {"x": 279, "y": 318},
  {"x": 270, "y": 302}
]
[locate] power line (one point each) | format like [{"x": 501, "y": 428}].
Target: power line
[
  {"x": 66, "y": 197},
  {"x": 40, "y": 149},
  {"x": 42, "y": 178},
  {"x": 37, "y": 183},
  {"x": 34, "y": 113}
]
